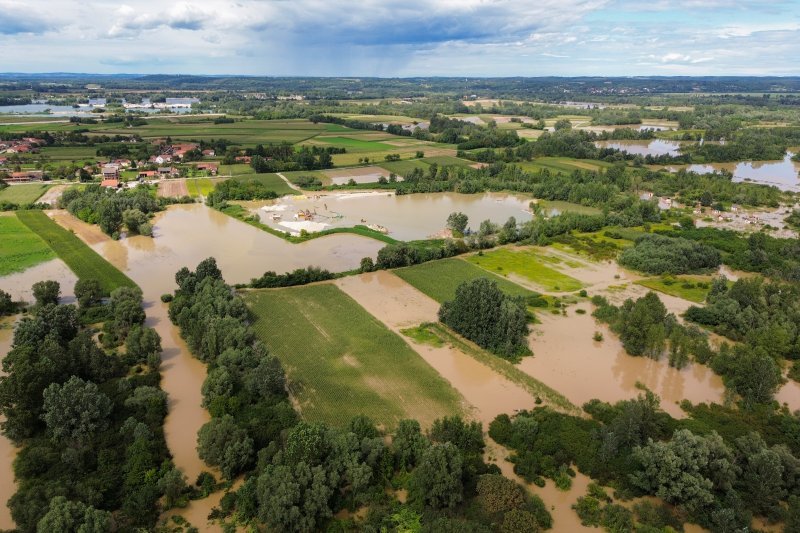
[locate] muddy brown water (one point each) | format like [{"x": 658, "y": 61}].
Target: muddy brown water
[
  {"x": 406, "y": 217},
  {"x": 184, "y": 235},
  {"x": 8, "y": 451},
  {"x": 399, "y": 305}
]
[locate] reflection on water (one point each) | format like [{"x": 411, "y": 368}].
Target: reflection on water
[
  {"x": 655, "y": 147},
  {"x": 407, "y": 217},
  {"x": 782, "y": 174},
  {"x": 568, "y": 360}
]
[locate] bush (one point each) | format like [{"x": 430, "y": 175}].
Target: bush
[{"x": 657, "y": 254}]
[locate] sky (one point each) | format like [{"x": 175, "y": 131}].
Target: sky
[{"x": 402, "y": 38}]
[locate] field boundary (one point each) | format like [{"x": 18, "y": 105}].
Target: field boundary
[{"x": 79, "y": 257}]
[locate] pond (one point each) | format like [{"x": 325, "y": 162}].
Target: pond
[
  {"x": 653, "y": 147},
  {"x": 405, "y": 217},
  {"x": 782, "y": 173}
]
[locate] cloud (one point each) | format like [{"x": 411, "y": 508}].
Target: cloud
[
  {"x": 16, "y": 18},
  {"x": 182, "y": 16}
]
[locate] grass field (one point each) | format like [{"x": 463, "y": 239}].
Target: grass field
[
  {"x": 21, "y": 248},
  {"x": 26, "y": 193},
  {"x": 272, "y": 181},
  {"x": 401, "y": 168},
  {"x": 527, "y": 264},
  {"x": 439, "y": 279},
  {"x": 562, "y": 164},
  {"x": 82, "y": 260},
  {"x": 295, "y": 174},
  {"x": 70, "y": 153},
  {"x": 355, "y": 145},
  {"x": 447, "y": 161},
  {"x": 342, "y": 362},
  {"x": 685, "y": 287}
]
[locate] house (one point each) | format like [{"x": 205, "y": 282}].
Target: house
[
  {"x": 147, "y": 174},
  {"x": 121, "y": 162},
  {"x": 211, "y": 168},
  {"x": 209, "y": 153},
  {"x": 243, "y": 159},
  {"x": 161, "y": 159},
  {"x": 3, "y": 161},
  {"x": 168, "y": 171},
  {"x": 111, "y": 184},
  {"x": 110, "y": 172},
  {"x": 26, "y": 175}
]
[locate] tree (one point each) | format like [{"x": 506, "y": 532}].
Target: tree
[
  {"x": 6, "y": 304},
  {"x": 457, "y": 223},
  {"x": 519, "y": 521},
  {"x": 75, "y": 411},
  {"x": 88, "y": 291},
  {"x": 685, "y": 470},
  {"x": 498, "y": 494},
  {"x": 74, "y": 517},
  {"x": 133, "y": 220},
  {"x": 142, "y": 343},
  {"x": 222, "y": 443},
  {"x": 486, "y": 316},
  {"x": 437, "y": 480},
  {"x": 294, "y": 498},
  {"x": 751, "y": 373},
  {"x": 367, "y": 264},
  {"x": 46, "y": 292},
  {"x": 408, "y": 444},
  {"x": 172, "y": 484}
]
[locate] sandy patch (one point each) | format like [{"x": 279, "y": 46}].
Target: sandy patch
[
  {"x": 308, "y": 225},
  {"x": 356, "y": 171},
  {"x": 52, "y": 195},
  {"x": 89, "y": 233},
  {"x": 172, "y": 188}
]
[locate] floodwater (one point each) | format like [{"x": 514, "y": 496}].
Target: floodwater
[
  {"x": 8, "y": 451},
  {"x": 184, "y": 235},
  {"x": 406, "y": 217},
  {"x": 399, "y": 305},
  {"x": 782, "y": 173},
  {"x": 654, "y": 147},
  {"x": 18, "y": 285},
  {"x": 568, "y": 359}
]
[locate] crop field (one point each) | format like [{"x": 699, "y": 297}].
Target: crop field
[
  {"x": 200, "y": 186},
  {"x": 401, "y": 168},
  {"x": 70, "y": 153},
  {"x": 568, "y": 207},
  {"x": 440, "y": 279},
  {"x": 342, "y": 362},
  {"x": 295, "y": 174},
  {"x": 245, "y": 133},
  {"x": 25, "y": 193},
  {"x": 272, "y": 181},
  {"x": 527, "y": 264},
  {"x": 354, "y": 144},
  {"x": 21, "y": 248},
  {"x": 79, "y": 257},
  {"x": 446, "y": 160}
]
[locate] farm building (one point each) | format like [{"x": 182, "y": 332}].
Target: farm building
[
  {"x": 110, "y": 172},
  {"x": 111, "y": 183},
  {"x": 24, "y": 176},
  {"x": 211, "y": 168}
]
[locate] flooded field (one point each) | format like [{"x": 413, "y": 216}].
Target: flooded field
[
  {"x": 359, "y": 175},
  {"x": 399, "y": 305},
  {"x": 18, "y": 285},
  {"x": 7, "y": 450},
  {"x": 184, "y": 235},
  {"x": 405, "y": 217},
  {"x": 567, "y": 359},
  {"x": 655, "y": 147},
  {"x": 783, "y": 174}
]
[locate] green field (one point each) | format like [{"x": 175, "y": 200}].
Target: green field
[
  {"x": 294, "y": 174},
  {"x": 567, "y": 207},
  {"x": 199, "y": 187},
  {"x": 25, "y": 193},
  {"x": 447, "y": 161},
  {"x": 563, "y": 165},
  {"x": 342, "y": 362},
  {"x": 70, "y": 153},
  {"x": 527, "y": 264},
  {"x": 402, "y": 168},
  {"x": 685, "y": 287},
  {"x": 272, "y": 181},
  {"x": 21, "y": 248},
  {"x": 439, "y": 279},
  {"x": 355, "y": 145},
  {"x": 82, "y": 260}
]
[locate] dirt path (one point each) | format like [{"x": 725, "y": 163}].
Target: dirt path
[
  {"x": 399, "y": 305},
  {"x": 288, "y": 182}
]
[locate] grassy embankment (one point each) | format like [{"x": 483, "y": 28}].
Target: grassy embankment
[
  {"x": 342, "y": 362},
  {"x": 438, "y": 335},
  {"x": 79, "y": 257},
  {"x": 689, "y": 287},
  {"x": 22, "y": 248},
  {"x": 527, "y": 264}
]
